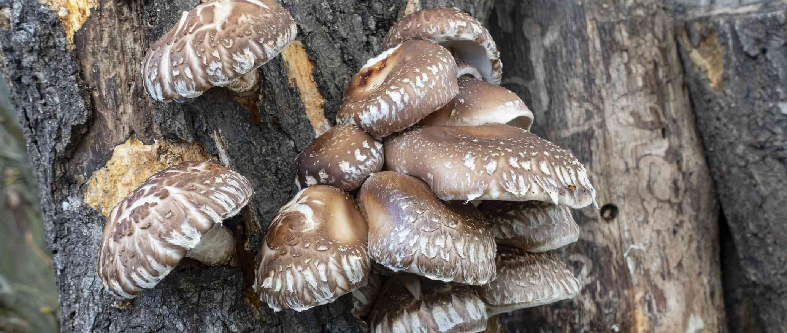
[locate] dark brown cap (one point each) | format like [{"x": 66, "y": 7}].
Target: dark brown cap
[
  {"x": 342, "y": 157},
  {"x": 490, "y": 162},
  {"x": 175, "y": 213},
  {"x": 533, "y": 226},
  {"x": 411, "y": 230},
  {"x": 398, "y": 88},
  {"x": 410, "y": 304},
  {"x": 314, "y": 251},
  {"x": 526, "y": 280},
  {"x": 462, "y": 34},
  {"x": 481, "y": 103},
  {"x": 364, "y": 297},
  {"x": 215, "y": 44}
]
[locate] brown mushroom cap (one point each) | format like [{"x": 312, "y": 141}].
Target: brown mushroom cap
[
  {"x": 175, "y": 213},
  {"x": 481, "y": 103},
  {"x": 399, "y": 87},
  {"x": 409, "y": 304},
  {"x": 364, "y": 297},
  {"x": 490, "y": 162},
  {"x": 533, "y": 226},
  {"x": 343, "y": 157},
  {"x": 467, "y": 38},
  {"x": 215, "y": 44},
  {"x": 526, "y": 280},
  {"x": 411, "y": 230},
  {"x": 314, "y": 251},
  {"x": 464, "y": 69}
]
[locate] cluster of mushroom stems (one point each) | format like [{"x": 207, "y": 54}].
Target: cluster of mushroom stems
[{"x": 430, "y": 201}]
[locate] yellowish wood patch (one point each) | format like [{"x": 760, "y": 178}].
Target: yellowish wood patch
[
  {"x": 299, "y": 70},
  {"x": 72, "y": 14},
  {"x": 708, "y": 55},
  {"x": 132, "y": 162}
]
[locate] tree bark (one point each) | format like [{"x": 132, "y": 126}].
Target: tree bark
[
  {"x": 604, "y": 79},
  {"x": 736, "y": 65}
]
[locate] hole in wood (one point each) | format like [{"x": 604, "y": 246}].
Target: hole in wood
[{"x": 609, "y": 212}]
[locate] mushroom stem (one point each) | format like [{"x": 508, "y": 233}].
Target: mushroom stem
[
  {"x": 215, "y": 248},
  {"x": 246, "y": 83}
]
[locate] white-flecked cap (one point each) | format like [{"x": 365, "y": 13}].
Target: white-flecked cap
[
  {"x": 343, "y": 157},
  {"x": 462, "y": 34},
  {"x": 215, "y": 44},
  {"x": 399, "y": 88},
  {"x": 533, "y": 226},
  {"x": 154, "y": 227},
  {"x": 526, "y": 280},
  {"x": 490, "y": 162},
  {"x": 411, "y": 230},
  {"x": 410, "y": 304},
  {"x": 481, "y": 103},
  {"x": 314, "y": 251}
]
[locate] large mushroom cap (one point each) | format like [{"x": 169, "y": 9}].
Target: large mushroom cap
[
  {"x": 409, "y": 304},
  {"x": 467, "y": 38},
  {"x": 526, "y": 280},
  {"x": 490, "y": 162},
  {"x": 481, "y": 103},
  {"x": 533, "y": 226},
  {"x": 411, "y": 230},
  {"x": 215, "y": 44},
  {"x": 343, "y": 157},
  {"x": 314, "y": 251},
  {"x": 399, "y": 87},
  {"x": 167, "y": 218}
]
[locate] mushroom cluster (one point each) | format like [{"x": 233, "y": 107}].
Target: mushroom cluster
[
  {"x": 430, "y": 202},
  {"x": 459, "y": 202}
]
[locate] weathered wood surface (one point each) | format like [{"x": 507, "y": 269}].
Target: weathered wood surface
[
  {"x": 74, "y": 70},
  {"x": 735, "y": 58},
  {"x": 604, "y": 79}
]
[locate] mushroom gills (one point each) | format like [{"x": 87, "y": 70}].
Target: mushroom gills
[
  {"x": 216, "y": 246},
  {"x": 473, "y": 54}
]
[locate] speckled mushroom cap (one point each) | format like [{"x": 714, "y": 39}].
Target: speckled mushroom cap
[
  {"x": 409, "y": 304},
  {"x": 215, "y": 44},
  {"x": 411, "y": 230},
  {"x": 173, "y": 214},
  {"x": 343, "y": 157},
  {"x": 314, "y": 251},
  {"x": 526, "y": 280},
  {"x": 490, "y": 162},
  {"x": 467, "y": 38},
  {"x": 364, "y": 297},
  {"x": 481, "y": 103},
  {"x": 464, "y": 69},
  {"x": 533, "y": 226},
  {"x": 399, "y": 87}
]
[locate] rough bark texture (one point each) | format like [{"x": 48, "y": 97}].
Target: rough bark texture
[
  {"x": 604, "y": 79},
  {"x": 735, "y": 58},
  {"x": 76, "y": 105}
]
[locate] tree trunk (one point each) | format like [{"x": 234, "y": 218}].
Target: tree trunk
[
  {"x": 736, "y": 64},
  {"x": 604, "y": 79}
]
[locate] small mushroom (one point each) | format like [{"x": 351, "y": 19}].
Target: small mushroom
[
  {"x": 343, "y": 157},
  {"x": 409, "y": 304},
  {"x": 398, "y": 88},
  {"x": 490, "y": 162},
  {"x": 463, "y": 35},
  {"x": 175, "y": 213},
  {"x": 481, "y": 103},
  {"x": 533, "y": 226},
  {"x": 219, "y": 43},
  {"x": 526, "y": 280},
  {"x": 464, "y": 69},
  {"x": 364, "y": 297},
  {"x": 411, "y": 230},
  {"x": 314, "y": 251}
]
